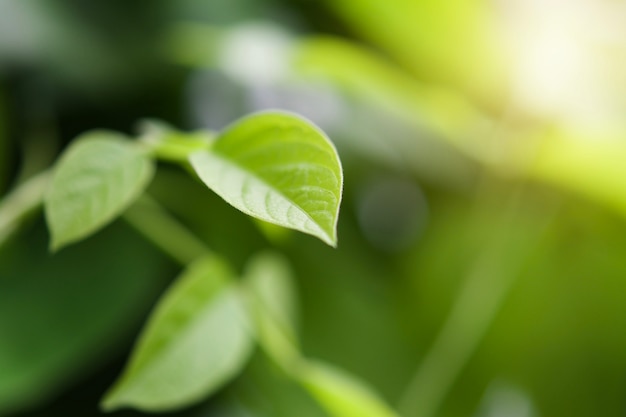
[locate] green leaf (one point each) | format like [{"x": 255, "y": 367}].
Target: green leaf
[
  {"x": 341, "y": 394},
  {"x": 270, "y": 286},
  {"x": 279, "y": 168},
  {"x": 196, "y": 340},
  {"x": 98, "y": 177}
]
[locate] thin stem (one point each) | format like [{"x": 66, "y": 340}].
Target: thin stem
[
  {"x": 21, "y": 203},
  {"x": 164, "y": 231},
  {"x": 168, "y": 144},
  {"x": 479, "y": 301},
  {"x": 146, "y": 216}
]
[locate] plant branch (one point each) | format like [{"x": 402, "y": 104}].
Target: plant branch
[
  {"x": 167, "y": 144},
  {"x": 164, "y": 231}
]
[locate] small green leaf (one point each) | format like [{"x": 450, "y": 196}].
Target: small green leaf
[
  {"x": 269, "y": 283},
  {"x": 279, "y": 168},
  {"x": 195, "y": 341},
  {"x": 341, "y": 394},
  {"x": 98, "y": 177}
]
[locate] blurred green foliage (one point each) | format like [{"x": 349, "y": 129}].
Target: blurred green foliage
[{"x": 480, "y": 266}]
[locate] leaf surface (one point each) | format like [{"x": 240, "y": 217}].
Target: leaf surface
[
  {"x": 195, "y": 341},
  {"x": 279, "y": 168},
  {"x": 98, "y": 177}
]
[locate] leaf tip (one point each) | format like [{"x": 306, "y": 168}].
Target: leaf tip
[
  {"x": 55, "y": 245},
  {"x": 58, "y": 241},
  {"x": 113, "y": 400},
  {"x": 328, "y": 237},
  {"x": 109, "y": 404},
  {"x": 331, "y": 241}
]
